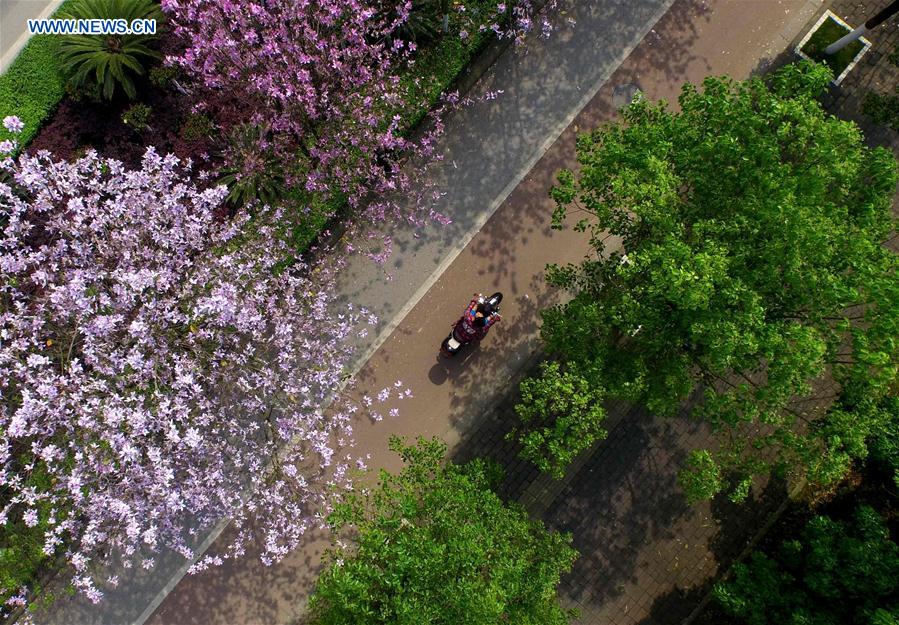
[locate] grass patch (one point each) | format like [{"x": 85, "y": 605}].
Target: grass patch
[
  {"x": 22, "y": 559},
  {"x": 305, "y": 218},
  {"x": 829, "y": 31},
  {"x": 33, "y": 85}
]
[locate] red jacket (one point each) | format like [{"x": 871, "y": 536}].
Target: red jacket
[{"x": 466, "y": 324}]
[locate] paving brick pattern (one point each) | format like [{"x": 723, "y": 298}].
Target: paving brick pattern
[
  {"x": 874, "y": 71},
  {"x": 647, "y": 556}
]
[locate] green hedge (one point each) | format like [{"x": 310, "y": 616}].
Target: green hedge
[
  {"x": 33, "y": 85},
  {"x": 438, "y": 66}
]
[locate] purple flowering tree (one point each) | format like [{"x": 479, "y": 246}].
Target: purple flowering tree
[
  {"x": 156, "y": 367},
  {"x": 324, "y": 75},
  {"x": 328, "y": 77}
]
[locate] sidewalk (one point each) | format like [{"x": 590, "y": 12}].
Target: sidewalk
[
  {"x": 14, "y": 16},
  {"x": 642, "y": 546}
]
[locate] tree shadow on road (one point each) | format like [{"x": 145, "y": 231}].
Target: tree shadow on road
[
  {"x": 735, "y": 526},
  {"x": 486, "y": 438},
  {"x": 241, "y": 591},
  {"x": 622, "y": 500},
  {"x": 646, "y": 555}
]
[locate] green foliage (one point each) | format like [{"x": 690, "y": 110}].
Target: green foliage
[
  {"x": 138, "y": 116},
  {"x": 439, "y": 65},
  {"x": 33, "y": 85},
  {"x": 563, "y": 416},
  {"x": 425, "y": 21},
  {"x": 21, "y": 547},
  {"x": 20, "y": 556},
  {"x": 883, "y": 108},
  {"x": 434, "y": 545},
  {"x": 162, "y": 76},
  {"x": 834, "y": 573},
  {"x": 884, "y": 442},
  {"x": 860, "y": 426},
  {"x": 753, "y": 223},
  {"x": 104, "y": 65},
  {"x": 197, "y": 126},
  {"x": 701, "y": 477},
  {"x": 305, "y": 216},
  {"x": 252, "y": 172}
]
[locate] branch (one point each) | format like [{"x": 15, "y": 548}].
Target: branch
[
  {"x": 796, "y": 414},
  {"x": 71, "y": 346}
]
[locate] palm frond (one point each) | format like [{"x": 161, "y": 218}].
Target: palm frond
[{"x": 109, "y": 62}]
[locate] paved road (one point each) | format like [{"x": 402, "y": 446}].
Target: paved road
[
  {"x": 14, "y": 16},
  {"x": 490, "y": 149}
]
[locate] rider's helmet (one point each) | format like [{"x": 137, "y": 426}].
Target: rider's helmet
[{"x": 486, "y": 310}]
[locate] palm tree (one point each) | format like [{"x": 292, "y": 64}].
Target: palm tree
[{"x": 104, "y": 63}]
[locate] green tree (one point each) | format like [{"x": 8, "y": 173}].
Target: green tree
[
  {"x": 104, "y": 65},
  {"x": 860, "y": 426},
  {"x": 434, "y": 545},
  {"x": 884, "y": 447},
  {"x": 563, "y": 415},
  {"x": 753, "y": 224},
  {"x": 834, "y": 573}
]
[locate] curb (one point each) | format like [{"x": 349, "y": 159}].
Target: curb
[{"x": 10, "y": 55}]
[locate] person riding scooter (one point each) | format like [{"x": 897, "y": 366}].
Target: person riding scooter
[{"x": 477, "y": 319}]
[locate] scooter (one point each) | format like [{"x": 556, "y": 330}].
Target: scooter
[{"x": 457, "y": 338}]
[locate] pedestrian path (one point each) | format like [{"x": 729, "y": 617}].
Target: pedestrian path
[{"x": 14, "y": 16}]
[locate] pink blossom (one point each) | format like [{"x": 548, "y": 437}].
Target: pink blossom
[
  {"x": 134, "y": 349},
  {"x": 30, "y": 517},
  {"x": 13, "y": 124}
]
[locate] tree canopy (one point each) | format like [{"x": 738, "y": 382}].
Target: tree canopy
[
  {"x": 751, "y": 265},
  {"x": 834, "y": 572},
  {"x": 435, "y": 545},
  {"x": 154, "y": 363}
]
